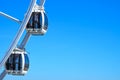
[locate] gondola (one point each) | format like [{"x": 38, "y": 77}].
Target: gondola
[{"x": 17, "y": 63}]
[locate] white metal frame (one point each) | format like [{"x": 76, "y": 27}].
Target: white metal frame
[
  {"x": 23, "y": 25},
  {"x": 10, "y": 17}
]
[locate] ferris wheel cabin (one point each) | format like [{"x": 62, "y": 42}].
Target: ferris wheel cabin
[
  {"x": 17, "y": 63},
  {"x": 38, "y": 23}
]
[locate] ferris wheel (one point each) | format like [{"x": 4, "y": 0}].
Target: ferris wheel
[{"x": 35, "y": 22}]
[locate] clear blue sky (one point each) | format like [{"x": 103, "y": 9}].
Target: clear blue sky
[{"x": 82, "y": 43}]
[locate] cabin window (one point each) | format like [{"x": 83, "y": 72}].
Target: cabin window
[{"x": 26, "y": 62}]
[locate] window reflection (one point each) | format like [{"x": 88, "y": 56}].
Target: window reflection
[
  {"x": 26, "y": 62},
  {"x": 14, "y": 62}
]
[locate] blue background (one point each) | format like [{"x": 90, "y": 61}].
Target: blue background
[{"x": 82, "y": 42}]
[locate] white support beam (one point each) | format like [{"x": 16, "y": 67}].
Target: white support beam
[
  {"x": 10, "y": 17},
  {"x": 42, "y": 2},
  {"x": 25, "y": 40},
  {"x": 19, "y": 34},
  {"x": 22, "y": 45},
  {"x": 23, "y": 25},
  {"x": 3, "y": 75}
]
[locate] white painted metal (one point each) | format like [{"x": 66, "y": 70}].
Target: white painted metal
[
  {"x": 20, "y": 32},
  {"x": 3, "y": 75},
  {"x": 18, "y": 36},
  {"x": 23, "y": 64},
  {"x": 23, "y": 43},
  {"x": 42, "y": 2},
  {"x": 10, "y": 17},
  {"x": 43, "y": 21},
  {"x": 31, "y": 9}
]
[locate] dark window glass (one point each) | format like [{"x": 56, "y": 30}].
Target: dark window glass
[
  {"x": 35, "y": 20},
  {"x": 36, "y": 17},
  {"x": 26, "y": 62},
  {"x": 46, "y": 22},
  {"x": 40, "y": 20},
  {"x": 9, "y": 63},
  {"x": 29, "y": 25},
  {"x": 31, "y": 21},
  {"x": 16, "y": 62},
  {"x": 20, "y": 63}
]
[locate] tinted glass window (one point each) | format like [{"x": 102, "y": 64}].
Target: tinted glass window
[
  {"x": 29, "y": 25},
  {"x": 16, "y": 61},
  {"x": 40, "y": 20},
  {"x": 20, "y": 63},
  {"x": 46, "y": 21},
  {"x": 9, "y": 63},
  {"x": 26, "y": 62}
]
